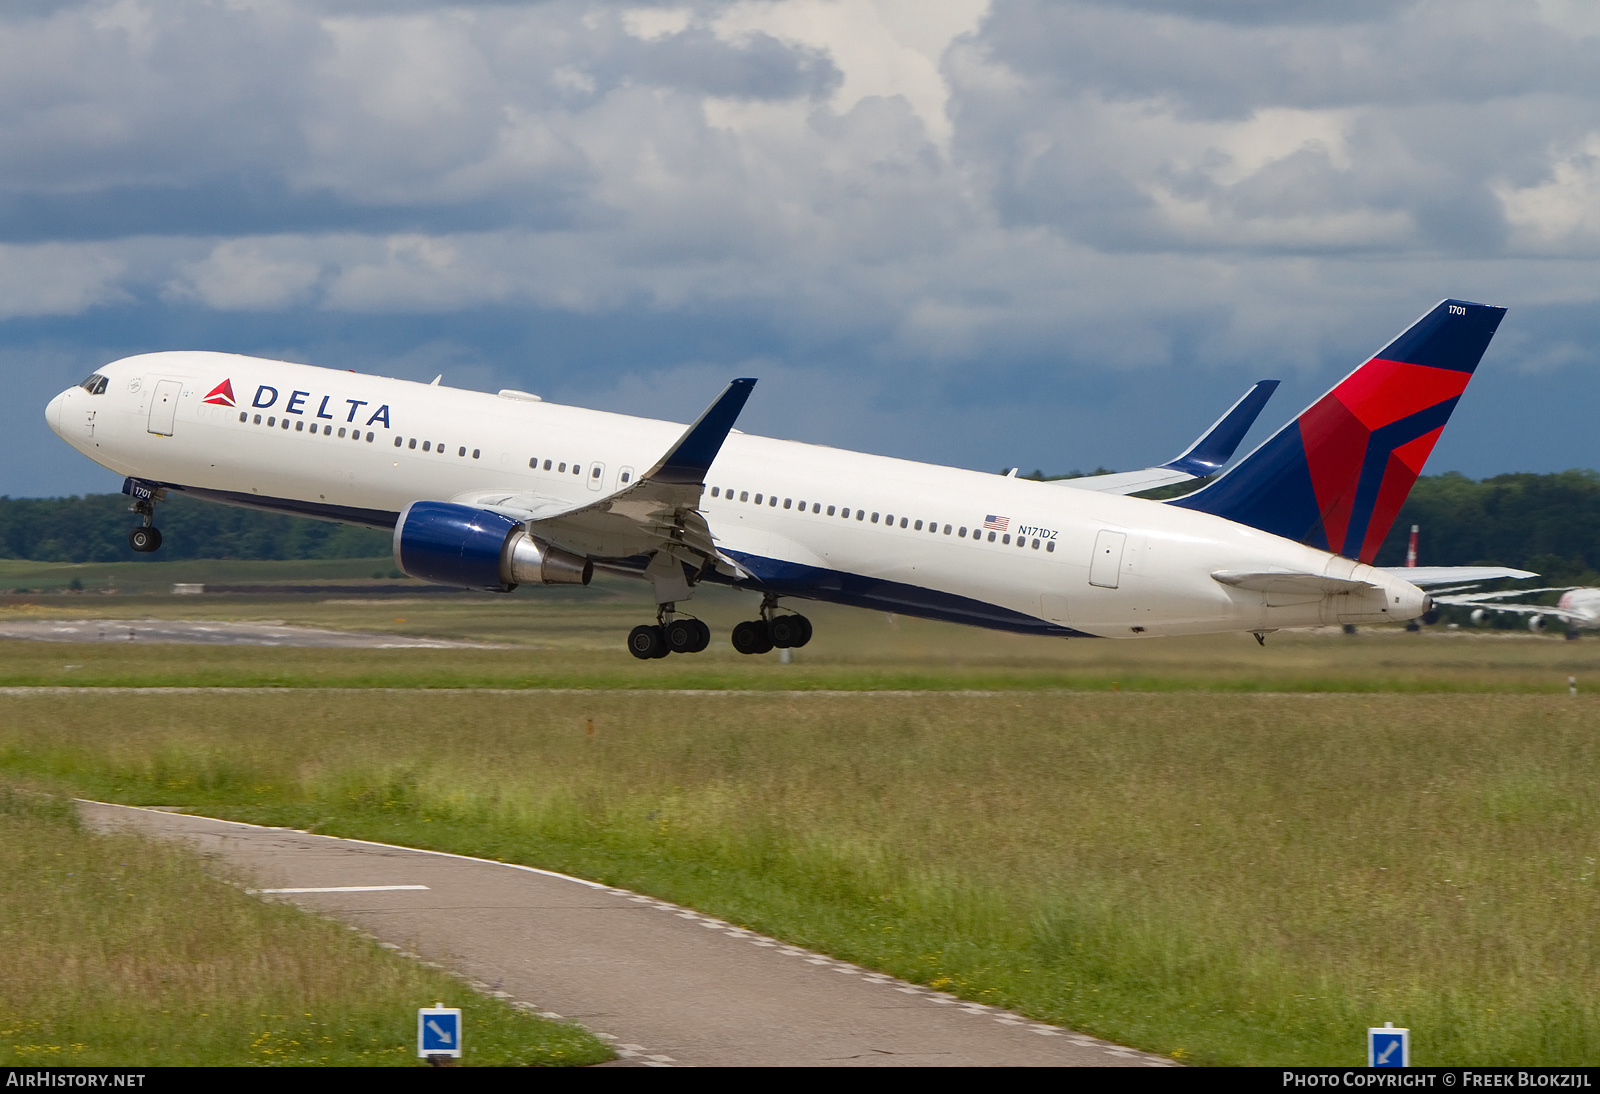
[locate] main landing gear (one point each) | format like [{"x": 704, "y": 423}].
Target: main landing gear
[
  {"x": 771, "y": 631},
  {"x": 670, "y": 634},
  {"x": 673, "y": 633},
  {"x": 147, "y": 537}
]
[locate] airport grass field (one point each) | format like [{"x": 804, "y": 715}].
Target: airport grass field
[{"x": 1206, "y": 849}]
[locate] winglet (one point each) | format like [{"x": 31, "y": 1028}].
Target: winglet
[
  {"x": 1215, "y": 447},
  {"x": 689, "y": 460}
]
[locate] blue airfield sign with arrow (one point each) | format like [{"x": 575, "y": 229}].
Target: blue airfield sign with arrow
[{"x": 439, "y": 1031}]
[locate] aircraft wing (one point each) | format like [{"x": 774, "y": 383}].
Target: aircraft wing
[
  {"x": 1426, "y": 576},
  {"x": 658, "y": 510},
  {"x": 1517, "y": 609},
  {"x": 1206, "y": 456}
]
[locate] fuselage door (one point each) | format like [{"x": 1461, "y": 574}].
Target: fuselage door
[
  {"x": 1106, "y": 565},
  {"x": 164, "y": 407}
]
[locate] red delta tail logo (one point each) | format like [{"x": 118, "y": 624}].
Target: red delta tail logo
[
  {"x": 1366, "y": 442},
  {"x": 1336, "y": 476},
  {"x": 221, "y": 395}
]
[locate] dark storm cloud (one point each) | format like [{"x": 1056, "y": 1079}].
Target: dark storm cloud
[{"x": 1045, "y": 233}]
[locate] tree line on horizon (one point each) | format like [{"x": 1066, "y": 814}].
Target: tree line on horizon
[{"x": 1547, "y": 523}]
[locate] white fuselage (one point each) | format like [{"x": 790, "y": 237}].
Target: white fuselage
[
  {"x": 343, "y": 445},
  {"x": 1584, "y": 606}
]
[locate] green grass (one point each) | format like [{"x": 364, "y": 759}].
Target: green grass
[
  {"x": 117, "y": 950},
  {"x": 1224, "y": 878}
]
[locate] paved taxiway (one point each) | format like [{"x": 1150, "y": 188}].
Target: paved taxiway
[
  {"x": 664, "y": 984},
  {"x": 211, "y": 632}
]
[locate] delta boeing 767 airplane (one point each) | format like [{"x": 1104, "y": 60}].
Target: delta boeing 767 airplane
[{"x": 492, "y": 491}]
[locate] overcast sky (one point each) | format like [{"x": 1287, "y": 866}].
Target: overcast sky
[{"x": 1052, "y": 234}]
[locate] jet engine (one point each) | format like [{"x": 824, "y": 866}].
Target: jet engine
[
  {"x": 1479, "y": 616},
  {"x": 470, "y": 548},
  {"x": 1536, "y": 624}
]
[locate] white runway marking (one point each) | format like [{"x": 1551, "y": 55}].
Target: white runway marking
[{"x": 344, "y": 889}]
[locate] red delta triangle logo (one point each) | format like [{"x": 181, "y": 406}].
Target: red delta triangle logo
[{"x": 221, "y": 395}]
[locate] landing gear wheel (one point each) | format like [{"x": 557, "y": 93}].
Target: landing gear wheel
[
  {"x": 683, "y": 635},
  {"x": 705, "y": 636},
  {"x": 786, "y": 631},
  {"x": 145, "y": 540},
  {"x": 751, "y": 637},
  {"x": 805, "y": 631},
  {"x": 647, "y": 642}
]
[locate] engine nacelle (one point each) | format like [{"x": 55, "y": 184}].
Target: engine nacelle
[
  {"x": 469, "y": 548},
  {"x": 1478, "y": 617},
  {"x": 1536, "y": 624}
]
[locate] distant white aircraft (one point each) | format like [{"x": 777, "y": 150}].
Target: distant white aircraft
[
  {"x": 1578, "y": 608},
  {"x": 490, "y": 491},
  {"x": 1458, "y": 577}
]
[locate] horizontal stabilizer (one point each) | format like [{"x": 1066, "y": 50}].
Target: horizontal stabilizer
[
  {"x": 1209, "y": 452},
  {"x": 1289, "y": 581},
  {"x": 1428, "y": 576}
]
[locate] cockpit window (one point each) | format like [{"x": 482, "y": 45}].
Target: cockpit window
[{"x": 95, "y": 384}]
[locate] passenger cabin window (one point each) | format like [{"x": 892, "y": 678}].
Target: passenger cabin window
[
  {"x": 947, "y": 529},
  {"x": 830, "y": 510},
  {"x": 271, "y": 421},
  {"x": 285, "y": 423},
  {"x": 341, "y": 431},
  {"x": 991, "y": 537},
  {"x": 425, "y": 446},
  {"x": 758, "y": 499},
  {"x": 626, "y": 475},
  {"x": 462, "y": 451},
  {"x": 258, "y": 419},
  {"x": 772, "y": 501},
  {"x": 874, "y": 518},
  {"x": 716, "y": 492},
  {"x": 918, "y": 526},
  {"x": 1050, "y": 546},
  {"x": 845, "y": 513},
  {"x": 547, "y": 465},
  {"x": 786, "y": 502},
  {"x": 562, "y": 468},
  {"x": 595, "y": 474},
  {"x": 412, "y": 443},
  {"x": 244, "y": 417},
  {"x": 576, "y": 470},
  {"x": 369, "y": 438},
  {"x": 300, "y": 427},
  {"x": 744, "y": 495},
  {"x": 962, "y": 532}
]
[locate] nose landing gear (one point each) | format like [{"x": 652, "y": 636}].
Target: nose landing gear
[{"x": 147, "y": 537}]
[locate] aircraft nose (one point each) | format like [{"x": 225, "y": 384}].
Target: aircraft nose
[{"x": 52, "y": 413}]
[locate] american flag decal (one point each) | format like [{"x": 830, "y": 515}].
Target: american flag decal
[{"x": 996, "y": 524}]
